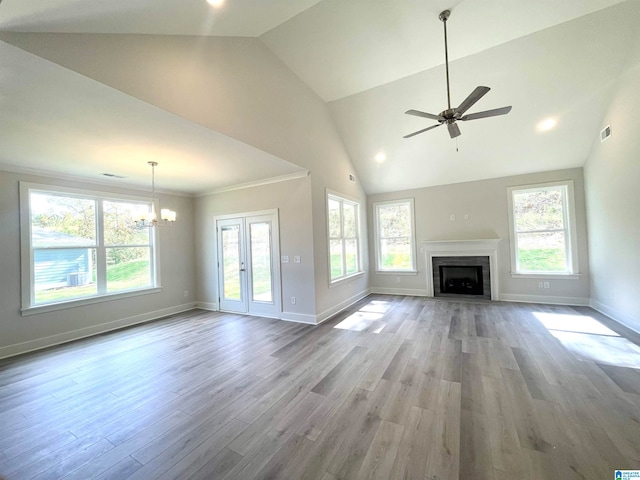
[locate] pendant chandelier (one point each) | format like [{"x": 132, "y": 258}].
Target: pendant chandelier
[{"x": 167, "y": 217}]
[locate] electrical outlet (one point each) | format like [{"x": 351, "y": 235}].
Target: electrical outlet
[
  {"x": 546, "y": 284},
  {"x": 397, "y": 279},
  {"x": 452, "y": 218},
  {"x": 466, "y": 216},
  {"x": 293, "y": 300},
  {"x": 186, "y": 293},
  {"x": 540, "y": 285},
  {"x": 296, "y": 259},
  {"x": 285, "y": 259}
]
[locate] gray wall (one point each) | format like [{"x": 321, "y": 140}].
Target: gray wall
[
  {"x": 485, "y": 202},
  {"x": 303, "y": 232},
  {"x": 612, "y": 184},
  {"x": 293, "y": 201},
  {"x": 24, "y": 333}
]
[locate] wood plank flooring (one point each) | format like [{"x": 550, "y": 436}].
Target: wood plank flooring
[{"x": 393, "y": 388}]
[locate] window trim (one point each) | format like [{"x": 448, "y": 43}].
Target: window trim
[
  {"x": 341, "y": 198},
  {"x": 412, "y": 237},
  {"x": 571, "y": 244},
  {"x": 27, "y": 288}
]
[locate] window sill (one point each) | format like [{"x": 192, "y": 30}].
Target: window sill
[
  {"x": 552, "y": 276},
  {"x": 338, "y": 281},
  {"x": 52, "y": 307},
  {"x": 396, "y": 272}
]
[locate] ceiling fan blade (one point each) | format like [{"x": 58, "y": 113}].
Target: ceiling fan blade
[
  {"x": 487, "y": 113},
  {"x": 454, "y": 130},
  {"x": 418, "y": 113},
  {"x": 473, "y": 97},
  {"x": 421, "y": 131}
]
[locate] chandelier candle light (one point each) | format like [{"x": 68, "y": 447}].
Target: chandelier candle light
[{"x": 167, "y": 217}]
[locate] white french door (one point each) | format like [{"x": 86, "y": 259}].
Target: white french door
[{"x": 248, "y": 270}]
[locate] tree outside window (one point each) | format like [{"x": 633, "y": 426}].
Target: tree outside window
[
  {"x": 541, "y": 232},
  {"x": 344, "y": 247},
  {"x": 84, "y": 245},
  {"x": 394, "y": 236}
]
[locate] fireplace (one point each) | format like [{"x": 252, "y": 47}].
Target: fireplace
[
  {"x": 462, "y": 276},
  {"x": 462, "y": 268},
  {"x": 461, "y": 279}
]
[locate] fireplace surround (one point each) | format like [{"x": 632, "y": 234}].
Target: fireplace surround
[{"x": 479, "y": 252}]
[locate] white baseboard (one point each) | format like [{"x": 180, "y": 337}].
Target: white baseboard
[
  {"x": 213, "y": 307},
  {"x": 286, "y": 316},
  {"x": 579, "y": 301},
  {"x": 330, "y": 312},
  {"x": 45, "y": 342},
  {"x": 413, "y": 292},
  {"x": 616, "y": 315},
  {"x": 298, "y": 318}
]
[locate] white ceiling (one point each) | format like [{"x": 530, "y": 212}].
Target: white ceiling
[{"x": 370, "y": 59}]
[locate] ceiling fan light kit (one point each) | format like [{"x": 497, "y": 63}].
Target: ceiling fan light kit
[{"x": 451, "y": 115}]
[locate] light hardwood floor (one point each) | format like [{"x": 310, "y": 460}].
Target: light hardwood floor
[{"x": 405, "y": 388}]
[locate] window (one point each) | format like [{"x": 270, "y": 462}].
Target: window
[
  {"x": 344, "y": 244},
  {"x": 542, "y": 229},
  {"x": 79, "y": 245},
  {"x": 394, "y": 229}
]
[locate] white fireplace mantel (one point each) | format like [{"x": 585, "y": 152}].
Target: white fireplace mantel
[{"x": 462, "y": 248}]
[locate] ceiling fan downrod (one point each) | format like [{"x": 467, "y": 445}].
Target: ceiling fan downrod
[{"x": 444, "y": 16}]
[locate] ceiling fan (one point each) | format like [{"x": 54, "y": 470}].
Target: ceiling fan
[{"x": 451, "y": 115}]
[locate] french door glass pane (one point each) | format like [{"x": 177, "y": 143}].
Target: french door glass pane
[
  {"x": 231, "y": 263},
  {"x": 128, "y": 268},
  {"x": 261, "y": 262},
  {"x": 542, "y": 252}
]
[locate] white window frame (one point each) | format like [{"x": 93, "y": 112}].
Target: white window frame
[
  {"x": 29, "y": 307},
  {"x": 378, "y": 237},
  {"x": 571, "y": 246},
  {"x": 342, "y": 199}
]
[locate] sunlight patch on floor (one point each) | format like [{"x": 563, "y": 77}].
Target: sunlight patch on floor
[
  {"x": 573, "y": 323},
  {"x": 364, "y": 318},
  {"x": 589, "y": 339},
  {"x": 359, "y": 321}
]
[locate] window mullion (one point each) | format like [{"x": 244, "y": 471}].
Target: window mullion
[
  {"x": 342, "y": 240},
  {"x": 101, "y": 251}
]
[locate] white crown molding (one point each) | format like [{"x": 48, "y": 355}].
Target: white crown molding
[
  {"x": 87, "y": 180},
  {"x": 256, "y": 183}
]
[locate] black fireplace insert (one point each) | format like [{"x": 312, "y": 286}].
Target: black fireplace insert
[{"x": 465, "y": 280}]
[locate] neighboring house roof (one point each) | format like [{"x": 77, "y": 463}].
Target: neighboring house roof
[{"x": 44, "y": 237}]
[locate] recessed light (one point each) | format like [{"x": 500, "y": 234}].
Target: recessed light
[
  {"x": 546, "y": 124},
  {"x": 215, "y": 3},
  {"x": 380, "y": 157}
]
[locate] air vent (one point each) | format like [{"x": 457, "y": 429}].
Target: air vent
[
  {"x": 111, "y": 175},
  {"x": 352, "y": 178},
  {"x": 605, "y": 133}
]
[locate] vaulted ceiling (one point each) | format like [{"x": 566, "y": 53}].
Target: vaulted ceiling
[{"x": 83, "y": 86}]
